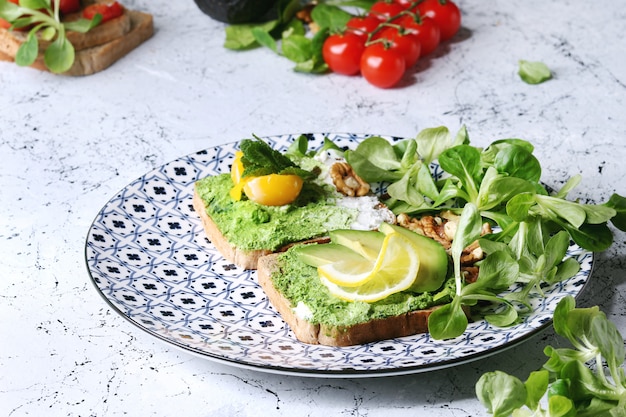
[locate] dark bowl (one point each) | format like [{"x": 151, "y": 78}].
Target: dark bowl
[{"x": 237, "y": 11}]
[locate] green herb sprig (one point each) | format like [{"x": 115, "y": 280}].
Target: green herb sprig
[
  {"x": 259, "y": 159},
  {"x": 533, "y": 72},
  {"x": 44, "y": 18},
  {"x": 585, "y": 380}
]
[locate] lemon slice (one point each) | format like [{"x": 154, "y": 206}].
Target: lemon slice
[
  {"x": 395, "y": 270},
  {"x": 348, "y": 272}
]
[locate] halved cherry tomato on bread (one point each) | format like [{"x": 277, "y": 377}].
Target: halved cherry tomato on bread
[
  {"x": 273, "y": 189},
  {"x": 69, "y": 6},
  {"x": 108, "y": 11},
  {"x": 268, "y": 190}
]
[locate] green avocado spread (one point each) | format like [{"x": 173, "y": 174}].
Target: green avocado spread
[
  {"x": 251, "y": 226},
  {"x": 300, "y": 284}
]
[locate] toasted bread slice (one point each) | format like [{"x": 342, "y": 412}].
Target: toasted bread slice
[
  {"x": 407, "y": 324},
  {"x": 97, "y": 49},
  {"x": 242, "y": 258},
  {"x": 246, "y": 259}
]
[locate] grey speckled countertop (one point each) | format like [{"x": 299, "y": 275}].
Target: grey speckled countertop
[{"x": 67, "y": 145}]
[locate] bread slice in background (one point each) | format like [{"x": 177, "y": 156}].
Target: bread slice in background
[
  {"x": 406, "y": 324},
  {"x": 97, "y": 49}
]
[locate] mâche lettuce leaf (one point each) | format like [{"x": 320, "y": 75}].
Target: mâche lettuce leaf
[{"x": 587, "y": 379}]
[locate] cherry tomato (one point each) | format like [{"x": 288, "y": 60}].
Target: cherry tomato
[
  {"x": 384, "y": 10},
  {"x": 342, "y": 52},
  {"x": 4, "y": 24},
  {"x": 425, "y": 29},
  {"x": 68, "y": 6},
  {"x": 445, "y": 13},
  {"x": 363, "y": 25},
  {"x": 269, "y": 190},
  {"x": 404, "y": 3},
  {"x": 403, "y": 42},
  {"x": 273, "y": 189},
  {"x": 108, "y": 11},
  {"x": 382, "y": 66}
]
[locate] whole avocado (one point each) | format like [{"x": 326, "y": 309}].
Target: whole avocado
[{"x": 237, "y": 11}]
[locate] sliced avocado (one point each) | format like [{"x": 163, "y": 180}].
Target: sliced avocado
[
  {"x": 237, "y": 11},
  {"x": 433, "y": 258},
  {"x": 366, "y": 243},
  {"x": 325, "y": 253}
]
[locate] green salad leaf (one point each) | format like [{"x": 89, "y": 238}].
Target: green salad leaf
[
  {"x": 587, "y": 379},
  {"x": 533, "y": 72},
  {"x": 245, "y": 36}
]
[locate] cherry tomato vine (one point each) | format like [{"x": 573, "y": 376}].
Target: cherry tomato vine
[
  {"x": 382, "y": 42},
  {"x": 389, "y": 40}
]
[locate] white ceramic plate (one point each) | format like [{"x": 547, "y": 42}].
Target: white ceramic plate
[{"x": 148, "y": 256}]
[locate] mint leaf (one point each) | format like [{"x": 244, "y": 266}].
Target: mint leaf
[
  {"x": 260, "y": 159},
  {"x": 534, "y": 72}
]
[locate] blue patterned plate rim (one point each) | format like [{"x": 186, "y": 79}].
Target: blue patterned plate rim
[{"x": 148, "y": 257}]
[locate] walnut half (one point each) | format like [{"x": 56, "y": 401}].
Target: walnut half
[{"x": 347, "y": 181}]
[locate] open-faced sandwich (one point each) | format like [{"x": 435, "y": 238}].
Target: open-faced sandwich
[
  {"x": 270, "y": 201},
  {"x": 345, "y": 266},
  {"x": 73, "y": 37},
  {"x": 362, "y": 286}
]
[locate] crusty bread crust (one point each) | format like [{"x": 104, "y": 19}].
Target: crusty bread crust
[
  {"x": 97, "y": 49},
  {"x": 103, "y": 33},
  {"x": 242, "y": 258},
  {"x": 407, "y": 324}
]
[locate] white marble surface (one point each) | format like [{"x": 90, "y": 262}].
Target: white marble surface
[{"x": 67, "y": 145}]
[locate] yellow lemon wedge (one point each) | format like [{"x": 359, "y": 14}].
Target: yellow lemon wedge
[{"x": 394, "y": 270}]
